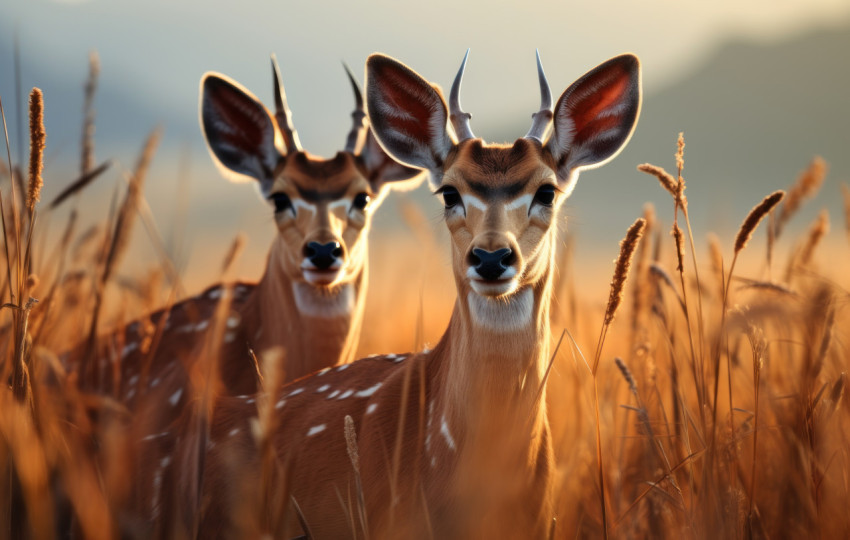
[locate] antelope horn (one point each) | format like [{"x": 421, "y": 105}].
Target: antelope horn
[
  {"x": 358, "y": 117},
  {"x": 460, "y": 119},
  {"x": 542, "y": 119},
  {"x": 282, "y": 113}
]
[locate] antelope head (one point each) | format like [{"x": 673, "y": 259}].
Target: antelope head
[
  {"x": 322, "y": 207},
  {"x": 501, "y": 200}
]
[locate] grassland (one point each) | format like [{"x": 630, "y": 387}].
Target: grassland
[{"x": 718, "y": 409}]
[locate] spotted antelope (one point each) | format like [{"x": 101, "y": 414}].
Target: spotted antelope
[
  {"x": 309, "y": 302},
  {"x": 453, "y": 442}
]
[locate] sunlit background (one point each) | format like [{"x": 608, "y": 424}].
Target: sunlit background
[{"x": 758, "y": 87}]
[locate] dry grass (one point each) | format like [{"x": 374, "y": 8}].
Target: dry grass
[{"x": 735, "y": 427}]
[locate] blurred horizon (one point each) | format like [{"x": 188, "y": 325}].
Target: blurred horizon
[{"x": 757, "y": 88}]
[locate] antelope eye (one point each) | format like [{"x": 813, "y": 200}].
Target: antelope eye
[
  {"x": 361, "y": 201},
  {"x": 281, "y": 202},
  {"x": 450, "y": 197},
  {"x": 545, "y": 195}
]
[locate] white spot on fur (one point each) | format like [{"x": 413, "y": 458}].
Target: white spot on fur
[
  {"x": 444, "y": 429},
  {"x": 371, "y": 408},
  {"x": 316, "y": 429},
  {"x": 502, "y": 314},
  {"x": 333, "y": 394},
  {"x": 428, "y": 428},
  {"x": 155, "y": 382},
  {"x": 280, "y": 404},
  {"x": 323, "y": 371},
  {"x": 129, "y": 348},
  {"x": 233, "y": 321},
  {"x": 313, "y": 302},
  {"x": 323, "y": 388},
  {"x": 175, "y": 397},
  {"x": 296, "y": 392},
  {"x": 229, "y": 337},
  {"x": 166, "y": 461},
  {"x": 156, "y": 436},
  {"x": 346, "y": 394},
  {"x": 215, "y": 293},
  {"x": 201, "y": 326},
  {"x": 368, "y": 392},
  {"x": 233, "y": 432},
  {"x": 132, "y": 380},
  {"x": 343, "y": 367}
]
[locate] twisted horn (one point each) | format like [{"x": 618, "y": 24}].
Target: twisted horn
[
  {"x": 358, "y": 117},
  {"x": 460, "y": 119},
  {"x": 282, "y": 113},
  {"x": 542, "y": 119}
]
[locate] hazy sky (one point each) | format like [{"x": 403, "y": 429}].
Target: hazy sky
[{"x": 157, "y": 49}]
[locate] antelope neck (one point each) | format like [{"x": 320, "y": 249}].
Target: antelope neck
[
  {"x": 491, "y": 376},
  {"x": 315, "y": 327}
]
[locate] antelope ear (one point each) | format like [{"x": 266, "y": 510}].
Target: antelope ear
[
  {"x": 240, "y": 133},
  {"x": 595, "y": 117},
  {"x": 382, "y": 170},
  {"x": 407, "y": 114}
]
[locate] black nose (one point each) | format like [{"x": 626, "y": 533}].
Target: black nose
[
  {"x": 322, "y": 255},
  {"x": 491, "y": 264}
]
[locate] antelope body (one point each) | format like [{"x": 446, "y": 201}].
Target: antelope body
[{"x": 453, "y": 442}]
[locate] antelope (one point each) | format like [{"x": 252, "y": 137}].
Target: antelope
[
  {"x": 452, "y": 442},
  {"x": 310, "y": 300}
]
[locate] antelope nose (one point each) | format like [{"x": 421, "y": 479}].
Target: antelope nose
[
  {"x": 491, "y": 264},
  {"x": 322, "y": 255}
]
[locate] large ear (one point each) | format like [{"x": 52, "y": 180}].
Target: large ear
[
  {"x": 595, "y": 116},
  {"x": 240, "y": 133},
  {"x": 407, "y": 114},
  {"x": 382, "y": 170}
]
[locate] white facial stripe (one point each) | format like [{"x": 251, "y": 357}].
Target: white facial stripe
[
  {"x": 475, "y": 202},
  {"x": 344, "y": 203},
  {"x": 503, "y": 315},
  {"x": 298, "y": 203},
  {"x": 519, "y": 202}
]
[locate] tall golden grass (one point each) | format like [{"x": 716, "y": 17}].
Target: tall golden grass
[{"x": 713, "y": 407}]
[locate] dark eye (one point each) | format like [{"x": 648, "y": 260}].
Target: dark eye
[
  {"x": 281, "y": 202},
  {"x": 361, "y": 201},
  {"x": 545, "y": 195},
  {"x": 450, "y": 197}
]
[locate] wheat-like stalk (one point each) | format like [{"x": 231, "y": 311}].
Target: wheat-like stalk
[
  {"x": 87, "y": 146},
  {"x": 621, "y": 269},
  {"x": 37, "y": 143},
  {"x": 666, "y": 179},
  {"x": 808, "y": 183},
  {"x": 817, "y": 231},
  {"x": 745, "y": 232}
]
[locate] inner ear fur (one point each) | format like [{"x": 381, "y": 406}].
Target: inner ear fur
[
  {"x": 240, "y": 132},
  {"x": 407, "y": 114},
  {"x": 595, "y": 117}
]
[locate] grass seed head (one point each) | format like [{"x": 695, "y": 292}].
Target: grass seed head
[
  {"x": 37, "y": 143},
  {"x": 754, "y": 218}
]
